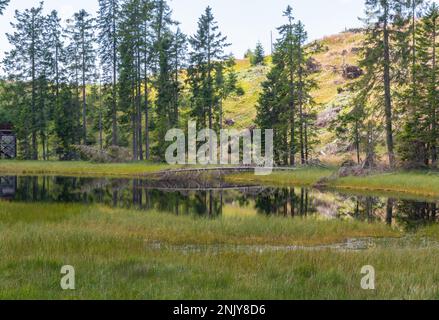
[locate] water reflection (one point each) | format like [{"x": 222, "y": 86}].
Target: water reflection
[{"x": 219, "y": 200}]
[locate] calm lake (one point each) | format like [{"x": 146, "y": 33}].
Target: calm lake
[{"x": 220, "y": 200}]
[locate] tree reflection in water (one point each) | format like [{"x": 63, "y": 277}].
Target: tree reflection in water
[{"x": 213, "y": 202}]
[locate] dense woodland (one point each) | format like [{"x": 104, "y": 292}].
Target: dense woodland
[{"x": 122, "y": 77}]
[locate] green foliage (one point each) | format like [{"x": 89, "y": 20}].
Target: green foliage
[
  {"x": 206, "y": 61},
  {"x": 3, "y": 5},
  {"x": 257, "y": 57},
  {"x": 285, "y": 104}
]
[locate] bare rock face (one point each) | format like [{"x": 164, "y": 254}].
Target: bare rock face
[
  {"x": 352, "y": 72},
  {"x": 313, "y": 66},
  {"x": 327, "y": 116}
]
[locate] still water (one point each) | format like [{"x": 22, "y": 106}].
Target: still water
[{"x": 220, "y": 200}]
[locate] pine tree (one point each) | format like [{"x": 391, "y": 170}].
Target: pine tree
[
  {"x": 273, "y": 110},
  {"x": 419, "y": 138},
  {"x": 258, "y": 56},
  {"x": 22, "y": 64},
  {"x": 3, "y": 5},
  {"x": 208, "y": 46},
  {"x": 148, "y": 54},
  {"x": 178, "y": 52},
  {"x": 55, "y": 59},
  {"x": 81, "y": 33},
  {"x": 287, "y": 48},
  {"x": 108, "y": 24},
  {"x": 167, "y": 48},
  {"x": 380, "y": 58},
  {"x": 286, "y": 95}
]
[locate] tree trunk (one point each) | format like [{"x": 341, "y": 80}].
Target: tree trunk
[
  {"x": 434, "y": 157},
  {"x": 302, "y": 142},
  {"x": 139, "y": 111},
  {"x": 33, "y": 104},
  {"x": 114, "y": 135},
  {"x": 292, "y": 106},
  {"x": 84, "y": 97},
  {"x": 387, "y": 90},
  {"x": 357, "y": 141},
  {"x": 145, "y": 79}
]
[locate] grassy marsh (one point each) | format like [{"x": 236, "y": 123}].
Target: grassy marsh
[{"x": 115, "y": 255}]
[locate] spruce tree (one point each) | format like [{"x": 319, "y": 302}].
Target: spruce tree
[
  {"x": 81, "y": 35},
  {"x": 286, "y": 104},
  {"x": 258, "y": 56},
  {"x": 419, "y": 138},
  {"x": 287, "y": 46},
  {"x": 3, "y": 5},
  {"x": 208, "y": 45},
  {"x": 273, "y": 109},
  {"x": 379, "y": 60},
  {"x": 108, "y": 24},
  {"x": 22, "y": 64}
]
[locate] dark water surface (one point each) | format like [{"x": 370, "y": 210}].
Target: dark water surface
[{"x": 220, "y": 200}]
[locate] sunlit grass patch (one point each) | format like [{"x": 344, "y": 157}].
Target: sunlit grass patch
[
  {"x": 298, "y": 177},
  {"x": 416, "y": 183}
]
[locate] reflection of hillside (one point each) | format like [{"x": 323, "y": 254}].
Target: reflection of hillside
[{"x": 216, "y": 198}]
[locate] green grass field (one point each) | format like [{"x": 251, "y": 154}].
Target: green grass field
[
  {"x": 79, "y": 168},
  {"x": 122, "y": 254}
]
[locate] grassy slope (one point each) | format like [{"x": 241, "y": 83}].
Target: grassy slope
[
  {"x": 113, "y": 257},
  {"x": 242, "y": 109}
]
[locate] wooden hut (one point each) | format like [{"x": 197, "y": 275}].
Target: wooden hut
[{"x": 8, "y": 141}]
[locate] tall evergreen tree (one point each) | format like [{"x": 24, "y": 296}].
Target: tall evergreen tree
[
  {"x": 108, "y": 24},
  {"x": 286, "y": 104},
  {"x": 208, "y": 45},
  {"x": 380, "y": 58},
  {"x": 258, "y": 56},
  {"x": 22, "y": 63},
  {"x": 81, "y": 33},
  {"x": 419, "y": 138},
  {"x": 287, "y": 46}
]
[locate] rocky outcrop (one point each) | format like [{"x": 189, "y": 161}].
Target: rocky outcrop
[
  {"x": 352, "y": 72},
  {"x": 313, "y": 66}
]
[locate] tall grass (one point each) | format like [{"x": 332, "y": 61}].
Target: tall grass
[
  {"x": 125, "y": 254},
  {"x": 416, "y": 183}
]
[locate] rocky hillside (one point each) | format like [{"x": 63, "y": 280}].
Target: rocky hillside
[{"x": 335, "y": 64}]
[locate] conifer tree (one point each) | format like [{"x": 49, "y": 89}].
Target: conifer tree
[
  {"x": 286, "y": 104},
  {"x": 380, "y": 58},
  {"x": 258, "y": 56},
  {"x": 208, "y": 45},
  {"x": 22, "y": 64},
  {"x": 108, "y": 24},
  {"x": 81, "y": 34},
  {"x": 3, "y": 5}
]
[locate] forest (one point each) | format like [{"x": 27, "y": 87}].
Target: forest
[{"x": 122, "y": 77}]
